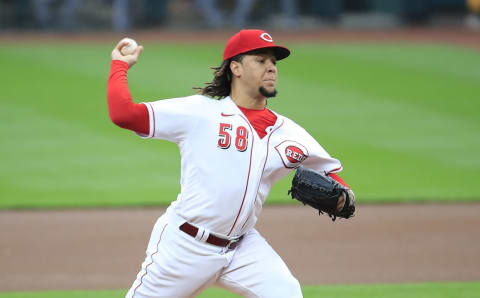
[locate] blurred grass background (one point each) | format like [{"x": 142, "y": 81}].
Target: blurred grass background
[
  {"x": 402, "y": 118},
  {"x": 423, "y": 290}
]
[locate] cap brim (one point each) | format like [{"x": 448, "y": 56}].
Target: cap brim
[{"x": 281, "y": 52}]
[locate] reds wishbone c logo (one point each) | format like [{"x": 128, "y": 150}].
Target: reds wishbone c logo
[
  {"x": 265, "y": 36},
  {"x": 291, "y": 153}
]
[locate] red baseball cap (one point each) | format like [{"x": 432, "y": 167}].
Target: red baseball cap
[{"x": 252, "y": 39}]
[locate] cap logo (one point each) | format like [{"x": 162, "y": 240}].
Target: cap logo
[{"x": 265, "y": 36}]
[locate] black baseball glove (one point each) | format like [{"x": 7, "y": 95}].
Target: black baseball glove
[{"x": 322, "y": 193}]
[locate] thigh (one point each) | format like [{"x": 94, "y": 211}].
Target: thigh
[
  {"x": 176, "y": 264},
  {"x": 256, "y": 270}
]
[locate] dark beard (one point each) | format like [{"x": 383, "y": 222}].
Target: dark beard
[{"x": 266, "y": 93}]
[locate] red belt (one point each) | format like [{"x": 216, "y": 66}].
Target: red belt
[{"x": 212, "y": 239}]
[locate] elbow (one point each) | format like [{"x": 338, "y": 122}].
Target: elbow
[{"x": 120, "y": 120}]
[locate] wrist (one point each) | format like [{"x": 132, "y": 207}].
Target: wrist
[{"x": 120, "y": 63}]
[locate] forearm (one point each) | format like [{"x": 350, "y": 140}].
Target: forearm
[
  {"x": 339, "y": 180},
  {"x": 122, "y": 110}
]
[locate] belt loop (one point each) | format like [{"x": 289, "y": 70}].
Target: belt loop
[
  {"x": 205, "y": 235},
  {"x": 200, "y": 233}
]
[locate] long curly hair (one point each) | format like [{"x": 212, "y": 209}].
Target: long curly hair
[{"x": 221, "y": 85}]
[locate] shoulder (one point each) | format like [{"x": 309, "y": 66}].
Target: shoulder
[
  {"x": 202, "y": 100},
  {"x": 294, "y": 131},
  {"x": 196, "y": 98},
  {"x": 188, "y": 102},
  {"x": 290, "y": 125}
]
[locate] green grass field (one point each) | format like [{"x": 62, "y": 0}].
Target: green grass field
[
  {"x": 425, "y": 290},
  {"x": 403, "y": 119}
]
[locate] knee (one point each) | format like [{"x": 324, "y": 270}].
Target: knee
[
  {"x": 285, "y": 286},
  {"x": 292, "y": 287}
]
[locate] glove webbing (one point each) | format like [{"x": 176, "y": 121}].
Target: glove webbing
[{"x": 329, "y": 203}]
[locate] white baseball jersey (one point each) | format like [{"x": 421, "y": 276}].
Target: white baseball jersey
[{"x": 227, "y": 170}]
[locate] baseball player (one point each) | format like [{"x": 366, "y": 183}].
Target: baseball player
[{"x": 233, "y": 148}]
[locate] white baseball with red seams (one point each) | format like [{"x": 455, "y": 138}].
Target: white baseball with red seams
[
  {"x": 217, "y": 141},
  {"x": 130, "y": 47}
]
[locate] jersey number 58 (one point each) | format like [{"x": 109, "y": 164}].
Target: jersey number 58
[{"x": 224, "y": 137}]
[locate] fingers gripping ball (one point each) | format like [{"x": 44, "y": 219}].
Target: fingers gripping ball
[
  {"x": 322, "y": 193},
  {"x": 129, "y": 48}
]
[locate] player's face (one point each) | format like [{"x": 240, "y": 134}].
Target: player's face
[{"x": 259, "y": 73}]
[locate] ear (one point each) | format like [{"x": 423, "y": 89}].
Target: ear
[{"x": 236, "y": 68}]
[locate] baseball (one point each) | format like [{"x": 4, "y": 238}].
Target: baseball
[{"x": 130, "y": 47}]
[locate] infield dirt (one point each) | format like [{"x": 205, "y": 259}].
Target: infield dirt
[{"x": 103, "y": 249}]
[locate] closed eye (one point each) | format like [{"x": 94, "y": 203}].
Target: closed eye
[{"x": 262, "y": 61}]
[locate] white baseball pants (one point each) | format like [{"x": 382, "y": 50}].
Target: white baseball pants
[{"x": 178, "y": 265}]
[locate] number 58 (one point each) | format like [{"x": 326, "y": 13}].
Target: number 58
[{"x": 224, "y": 137}]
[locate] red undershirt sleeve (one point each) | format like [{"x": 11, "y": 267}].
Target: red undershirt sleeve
[
  {"x": 339, "y": 180},
  {"x": 122, "y": 110}
]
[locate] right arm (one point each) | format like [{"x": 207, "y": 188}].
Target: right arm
[
  {"x": 169, "y": 119},
  {"x": 122, "y": 110}
]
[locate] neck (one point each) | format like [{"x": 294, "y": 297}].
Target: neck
[{"x": 245, "y": 100}]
